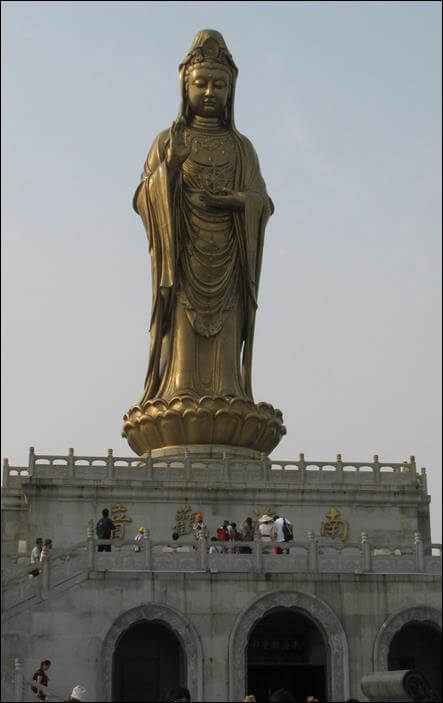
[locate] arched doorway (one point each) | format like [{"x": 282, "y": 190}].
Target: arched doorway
[
  {"x": 148, "y": 661},
  {"x": 175, "y": 622},
  {"x": 286, "y": 650},
  {"x": 417, "y": 645},
  {"x": 319, "y": 613}
]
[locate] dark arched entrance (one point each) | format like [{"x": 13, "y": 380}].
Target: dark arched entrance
[
  {"x": 417, "y": 646},
  {"x": 148, "y": 662},
  {"x": 286, "y": 649}
]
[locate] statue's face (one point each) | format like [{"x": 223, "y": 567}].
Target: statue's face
[{"x": 208, "y": 91}]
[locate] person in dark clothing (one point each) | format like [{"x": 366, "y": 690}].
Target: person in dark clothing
[
  {"x": 105, "y": 529},
  {"x": 41, "y": 679}
]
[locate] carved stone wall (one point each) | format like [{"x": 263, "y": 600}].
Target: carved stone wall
[
  {"x": 394, "y": 623},
  {"x": 337, "y": 664},
  {"x": 182, "y": 628}
]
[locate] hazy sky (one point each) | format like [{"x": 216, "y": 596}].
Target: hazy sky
[{"x": 343, "y": 104}]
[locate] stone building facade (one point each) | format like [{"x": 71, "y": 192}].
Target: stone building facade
[{"x": 360, "y": 582}]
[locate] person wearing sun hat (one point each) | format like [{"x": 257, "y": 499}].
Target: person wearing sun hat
[
  {"x": 138, "y": 539},
  {"x": 265, "y": 525}
]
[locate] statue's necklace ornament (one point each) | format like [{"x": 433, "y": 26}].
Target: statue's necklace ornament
[{"x": 204, "y": 206}]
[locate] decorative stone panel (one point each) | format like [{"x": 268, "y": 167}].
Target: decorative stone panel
[{"x": 336, "y": 646}]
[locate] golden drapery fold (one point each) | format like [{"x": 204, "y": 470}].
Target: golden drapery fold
[{"x": 159, "y": 202}]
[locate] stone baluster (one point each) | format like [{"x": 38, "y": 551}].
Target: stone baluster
[
  {"x": 147, "y": 544},
  {"x": 301, "y": 464},
  {"x": 31, "y": 462},
  {"x": 419, "y": 552},
  {"x": 148, "y": 464},
  {"x": 203, "y": 548},
  {"x": 423, "y": 478},
  {"x": 376, "y": 469},
  {"x": 339, "y": 464},
  {"x": 188, "y": 465},
  {"x": 366, "y": 560},
  {"x": 18, "y": 680},
  {"x": 71, "y": 463},
  {"x": 110, "y": 463},
  {"x": 91, "y": 546},
  {"x": 44, "y": 582},
  {"x": 265, "y": 466},
  {"x": 5, "y": 472},
  {"x": 258, "y": 549},
  {"x": 225, "y": 468},
  {"x": 313, "y": 552}
]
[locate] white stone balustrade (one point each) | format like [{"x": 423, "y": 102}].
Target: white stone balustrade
[
  {"x": 315, "y": 555},
  {"x": 225, "y": 468}
]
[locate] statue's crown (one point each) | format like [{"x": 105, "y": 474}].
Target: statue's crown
[{"x": 210, "y": 51}]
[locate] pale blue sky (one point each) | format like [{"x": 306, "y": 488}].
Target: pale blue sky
[{"x": 343, "y": 104}]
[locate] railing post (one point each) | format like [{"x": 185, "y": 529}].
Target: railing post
[
  {"x": 339, "y": 465},
  {"x": 225, "y": 468},
  {"x": 313, "y": 552},
  {"x": 5, "y": 472},
  {"x": 148, "y": 464},
  {"x": 258, "y": 548},
  {"x": 147, "y": 544},
  {"x": 188, "y": 464},
  {"x": 301, "y": 464},
  {"x": 265, "y": 466},
  {"x": 419, "y": 552},
  {"x": 110, "y": 463},
  {"x": 45, "y": 574},
  {"x": 203, "y": 547},
  {"x": 18, "y": 680},
  {"x": 71, "y": 463},
  {"x": 424, "y": 481},
  {"x": 376, "y": 467},
  {"x": 91, "y": 546},
  {"x": 31, "y": 462},
  {"x": 366, "y": 560}
]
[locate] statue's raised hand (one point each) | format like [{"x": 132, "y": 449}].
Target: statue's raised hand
[{"x": 178, "y": 149}]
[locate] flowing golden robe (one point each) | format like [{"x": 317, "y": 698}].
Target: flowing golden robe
[{"x": 205, "y": 266}]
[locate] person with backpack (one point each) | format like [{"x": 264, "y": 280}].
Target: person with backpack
[
  {"x": 282, "y": 531},
  {"x": 105, "y": 528}
]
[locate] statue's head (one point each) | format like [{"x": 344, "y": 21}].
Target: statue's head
[{"x": 207, "y": 77}]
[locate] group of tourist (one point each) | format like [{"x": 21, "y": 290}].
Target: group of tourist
[
  {"x": 270, "y": 528},
  {"x": 38, "y": 555}
]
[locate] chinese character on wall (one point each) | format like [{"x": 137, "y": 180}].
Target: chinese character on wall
[
  {"x": 119, "y": 518},
  {"x": 335, "y": 526}
]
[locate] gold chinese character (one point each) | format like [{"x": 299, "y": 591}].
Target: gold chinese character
[
  {"x": 335, "y": 526},
  {"x": 119, "y": 518}
]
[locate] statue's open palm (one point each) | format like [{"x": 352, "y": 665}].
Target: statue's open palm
[{"x": 179, "y": 149}]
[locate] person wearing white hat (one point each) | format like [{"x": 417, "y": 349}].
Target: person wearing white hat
[
  {"x": 77, "y": 695},
  {"x": 265, "y": 525}
]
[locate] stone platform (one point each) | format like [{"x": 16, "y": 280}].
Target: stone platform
[{"x": 362, "y": 564}]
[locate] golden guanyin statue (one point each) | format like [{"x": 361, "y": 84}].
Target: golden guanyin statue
[{"x": 205, "y": 207}]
